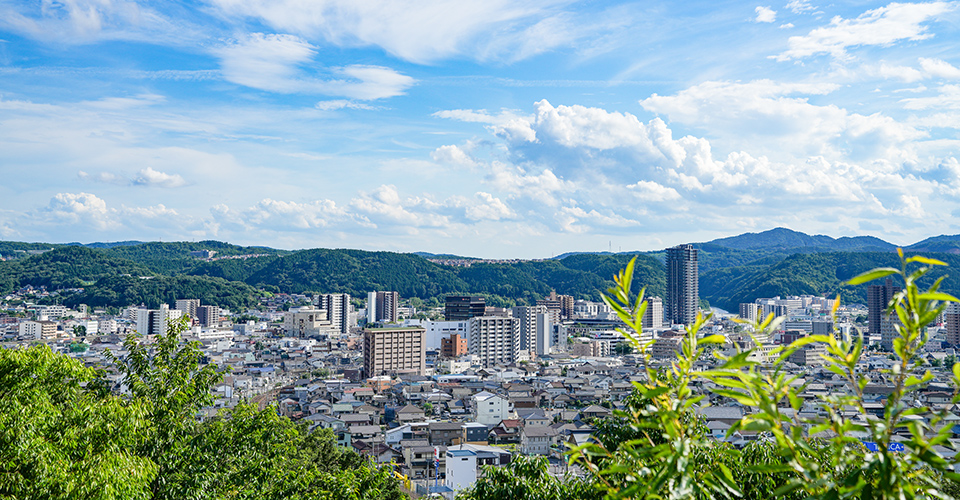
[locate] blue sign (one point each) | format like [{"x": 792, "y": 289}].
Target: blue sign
[{"x": 895, "y": 447}]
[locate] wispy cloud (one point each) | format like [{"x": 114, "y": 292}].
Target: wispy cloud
[
  {"x": 430, "y": 30},
  {"x": 90, "y": 21},
  {"x": 285, "y": 63},
  {"x": 878, "y": 27},
  {"x": 146, "y": 177}
]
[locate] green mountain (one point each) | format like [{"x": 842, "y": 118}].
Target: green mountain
[
  {"x": 355, "y": 272},
  {"x": 943, "y": 244},
  {"x": 65, "y": 267},
  {"x": 113, "y": 281},
  {"x": 787, "y": 239},
  {"x": 174, "y": 257},
  {"x": 121, "y": 291},
  {"x": 812, "y": 274},
  {"x": 732, "y": 270}
]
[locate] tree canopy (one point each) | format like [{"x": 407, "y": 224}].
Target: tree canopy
[{"x": 65, "y": 434}]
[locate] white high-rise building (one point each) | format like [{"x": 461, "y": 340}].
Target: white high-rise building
[
  {"x": 495, "y": 339},
  {"x": 543, "y": 336},
  {"x": 383, "y": 307},
  {"x": 188, "y": 307},
  {"x": 156, "y": 321},
  {"x": 653, "y": 316},
  {"x": 339, "y": 310},
  {"x": 527, "y": 319}
]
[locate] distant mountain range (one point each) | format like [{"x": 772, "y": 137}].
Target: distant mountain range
[
  {"x": 783, "y": 238},
  {"x": 732, "y": 270}
]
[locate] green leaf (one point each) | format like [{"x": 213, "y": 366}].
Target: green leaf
[
  {"x": 926, "y": 260},
  {"x": 713, "y": 339},
  {"x": 945, "y": 297},
  {"x": 880, "y": 272}
]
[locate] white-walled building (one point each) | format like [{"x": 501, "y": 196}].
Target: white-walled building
[
  {"x": 156, "y": 321},
  {"x": 439, "y": 330},
  {"x": 543, "y": 334},
  {"x": 339, "y": 310},
  {"x": 495, "y": 339},
  {"x": 106, "y": 326},
  {"x": 461, "y": 469},
  {"x": 527, "y": 322},
  {"x": 490, "y": 408},
  {"x": 38, "y": 330},
  {"x": 308, "y": 321}
]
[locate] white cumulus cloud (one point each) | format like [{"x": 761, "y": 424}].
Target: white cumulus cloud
[
  {"x": 765, "y": 15},
  {"x": 938, "y": 68}
]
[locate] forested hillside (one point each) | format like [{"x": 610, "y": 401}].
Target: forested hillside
[
  {"x": 732, "y": 270},
  {"x": 112, "y": 281},
  {"x": 814, "y": 274},
  {"x": 65, "y": 267},
  {"x": 120, "y": 291}
]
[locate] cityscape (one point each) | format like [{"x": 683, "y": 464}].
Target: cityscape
[
  {"x": 479, "y": 250},
  {"x": 438, "y": 393}
]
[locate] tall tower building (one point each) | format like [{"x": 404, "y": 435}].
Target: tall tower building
[
  {"x": 527, "y": 319},
  {"x": 495, "y": 339},
  {"x": 388, "y": 351},
  {"x": 543, "y": 335},
  {"x": 683, "y": 285},
  {"x": 156, "y": 321},
  {"x": 554, "y": 306},
  {"x": 383, "y": 307},
  {"x": 951, "y": 316},
  {"x": 188, "y": 306},
  {"x": 337, "y": 306},
  {"x": 878, "y": 297},
  {"x": 463, "y": 307},
  {"x": 208, "y": 315},
  {"x": 653, "y": 316}
]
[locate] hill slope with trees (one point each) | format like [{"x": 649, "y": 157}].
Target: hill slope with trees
[{"x": 732, "y": 270}]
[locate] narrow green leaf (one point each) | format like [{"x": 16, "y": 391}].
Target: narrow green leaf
[
  {"x": 926, "y": 260},
  {"x": 945, "y": 297},
  {"x": 880, "y": 272},
  {"x": 712, "y": 339}
]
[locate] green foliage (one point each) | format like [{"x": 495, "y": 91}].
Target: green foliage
[
  {"x": 814, "y": 274},
  {"x": 623, "y": 348},
  {"x": 665, "y": 443},
  {"x": 526, "y": 478},
  {"x": 61, "y": 437},
  {"x": 357, "y": 272},
  {"x": 174, "y": 257},
  {"x": 65, "y": 267},
  {"x": 64, "y": 435},
  {"x": 121, "y": 291},
  {"x": 657, "y": 449}
]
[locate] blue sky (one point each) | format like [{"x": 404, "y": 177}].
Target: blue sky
[{"x": 488, "y": 128}]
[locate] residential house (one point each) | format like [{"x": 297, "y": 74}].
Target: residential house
[
  {"x": 536, "y": 439},
  {"x": 490, "y": 408},
  {"x": 445, "y": 433}
]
